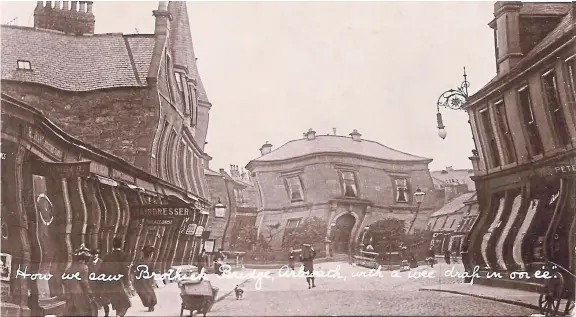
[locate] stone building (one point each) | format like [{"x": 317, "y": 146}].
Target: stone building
[
  {"x": 98, "y": 132},
  {"x": 348, "y": 181},
  {"x": 524, "y": 124},
  {"x": 236, "y": 193},
  {"x": 447, "y": 223},
  {"x": 451, "y": 177}
]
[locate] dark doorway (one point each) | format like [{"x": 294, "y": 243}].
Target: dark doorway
[{"x": 342, "y": 233}]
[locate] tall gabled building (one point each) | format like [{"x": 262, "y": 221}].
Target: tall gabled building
[
  {"x": 524, "y": 121},
  {"x": 94, "y": 126}
]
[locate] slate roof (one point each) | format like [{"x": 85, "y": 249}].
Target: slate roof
[
  {"x": 542, "y": 8},
  {"x": 454, "y": 205},
  {"x": 76, "y": 63},
  {"x": 337, "y": 144},
  {"x": 564, "y": 27}
]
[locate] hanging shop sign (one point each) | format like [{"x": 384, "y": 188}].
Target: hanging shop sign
[
  {"x": 191, "y": 228},
  {"x": 61, "y": 170},
  {"x": 168, "y": 210},
  {"x": 199, "y": 231},
  {"x": 565, "y": 169}
]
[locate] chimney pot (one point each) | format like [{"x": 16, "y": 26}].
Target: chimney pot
[
  {"x": 266, "y": 148},
  {"x": 89, "y": 5},
  {"x": 39, "y": 4},
  {"x": 356, "y": 135},
  {"x": 56, "y": 4},
  {"x": 222, "y": 171},
  {"x": 311, "y": 134},
  {"x": 65, "y": 5},
  {"x": 73, "y": 5},
  {"x": 48, "y": 4},
  {"x": 82, "y": 6}
]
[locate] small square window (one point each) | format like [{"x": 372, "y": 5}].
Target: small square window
[{"x": 24, "y": 65}]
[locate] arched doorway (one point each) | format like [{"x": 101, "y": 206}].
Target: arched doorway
[{"x": 343, "y": 232}]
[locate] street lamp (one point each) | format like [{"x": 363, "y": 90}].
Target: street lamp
[
  {"x": 453, "y": 99},
  {"x": 219, "y": 210},
  {"x": 418, "y": 197}
]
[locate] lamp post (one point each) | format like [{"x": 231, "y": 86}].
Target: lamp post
[
  {"x": 220, "y": 212},
  {"x": 418, "y": 197},
  {"x": 454, "y": 99}
]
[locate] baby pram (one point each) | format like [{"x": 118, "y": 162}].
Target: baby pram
[{"x": 197, "y": 296}]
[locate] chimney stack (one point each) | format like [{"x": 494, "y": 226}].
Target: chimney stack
[
  {"x": 222, "y": 171},
  {"x": 356, "y": 135},
  {"x": 266, "y": 148},
  {"x": 506, "y": 25},
  {"x": 311, "y": 134},
  {"x": 234, "y": 172},
  {"x": 69, "y": 21}
]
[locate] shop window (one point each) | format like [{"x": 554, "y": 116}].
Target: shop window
[
  {"x": 493, "y": 152},
  {"x": 401, "y": 186},
  {"x": 555, "y": 110},
  {"x": 295, "y": 188},
  {"x": 349, "y": 186},
  {"x": 529, "y": 121},
  {"x": 504, "y": 131}
]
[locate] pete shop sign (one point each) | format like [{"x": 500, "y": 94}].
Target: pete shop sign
[
  {"x": 149, "y": 211},
  {"x": 565, "y": 169}
]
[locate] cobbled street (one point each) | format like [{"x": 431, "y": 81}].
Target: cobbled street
[{"x": 346, "y": 296}]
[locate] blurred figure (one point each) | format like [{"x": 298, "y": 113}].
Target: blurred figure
[
  {"x": 307, "y": 258},
  {"x": 96, "y": 286},
  {"x": 202, "y": 262},
  {"x": 113, "y": 264},
  {"x": 80, "y": 300},
  {"x": 431, "y": 257},
  {"x": 219, "y": 260},
  {"x": 447, "y": 256},
  {"x": 291, "y": 258},
  {"x": 145, "y": 287}
]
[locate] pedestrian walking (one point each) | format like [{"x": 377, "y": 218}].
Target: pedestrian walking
[
  {"x": 116, "y": 263},
  {"x": 79, "y": 298},
  {"x": 219, "y": 260},
  {"x": 202, "y": 262},
  {"x": 96, "y": 286},
  {"x": 307, "y": 258},
  {"x": 447, "y": 256},
  {"x": 431, "y": 257},
  {"x": 291, "y": 258},
  {"x": 145, "y": 287}
]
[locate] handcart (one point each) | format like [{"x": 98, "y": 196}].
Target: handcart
[
  {"x": 198, "y": 296},
  {"x": 555, "y": 292}
]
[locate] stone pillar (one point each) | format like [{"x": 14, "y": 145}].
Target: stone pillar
[{"x": 328, "y": 240}]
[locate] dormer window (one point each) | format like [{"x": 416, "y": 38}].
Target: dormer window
[
  {"x": 401, "y": 185},
  {"x": 25, "y": 65},
  {"x": 294, "y": 187}
]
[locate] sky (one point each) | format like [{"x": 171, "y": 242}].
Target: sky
[{"x": 272, "y": 70}]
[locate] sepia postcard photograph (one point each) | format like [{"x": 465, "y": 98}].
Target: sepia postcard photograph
[{"x": 288, "y": 158}]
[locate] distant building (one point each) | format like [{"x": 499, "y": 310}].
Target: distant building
[
  {"x": 235, "y": 191},
  {"x": 452, "y": 177},
  {"x": 347, "y": 181},
  {"x": 451, "y": 222},
  {"x": 524, "y": 124}
]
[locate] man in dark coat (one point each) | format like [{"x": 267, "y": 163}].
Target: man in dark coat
[
  {"x": 113, "y": 264},
  {"x": 219, "y": 260},
  {"x": 96, "y": 286},
  {"x": 202, "y": 262},
  {"x": 431, "y": 256},
  {"x": 145, "y": 287},
  {"x": 307, "y": 258},
  {"x": 447, "y": 256},
  {"x": 79, "y": 297}
]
